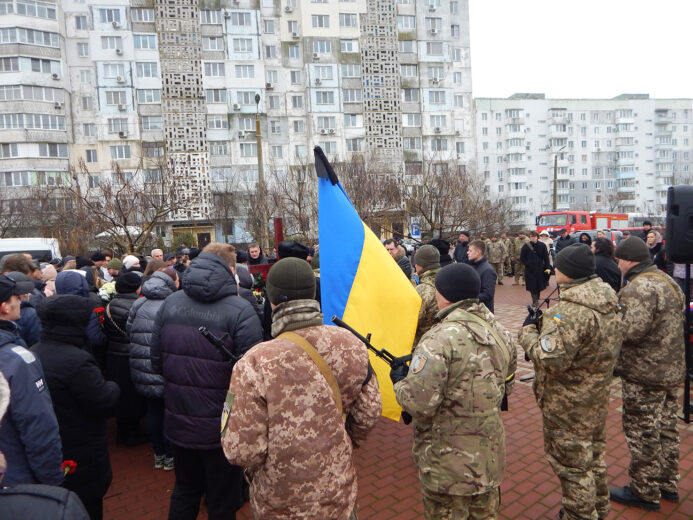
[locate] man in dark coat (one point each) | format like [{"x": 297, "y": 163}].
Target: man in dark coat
[
  {"x": 563, "y": 240},
  {"x": 461, "y": 248},
  {"x": 256, "y": 256},
  {"x": 607, "y": 267},
  {"x": 487, "y": 274},
  {"x": 535, "y": 257},
  {"x": 444, "y": 247},
  {"x": 196, "y": 379},
  {"x": 82, "y": 399},
  {"x": 29, "y": 324}
]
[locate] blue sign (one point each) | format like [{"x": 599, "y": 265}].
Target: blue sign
[{"x": 415, "y": 230}]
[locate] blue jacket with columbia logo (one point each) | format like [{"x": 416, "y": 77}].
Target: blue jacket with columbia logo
[{"x": 29, "y": 435}]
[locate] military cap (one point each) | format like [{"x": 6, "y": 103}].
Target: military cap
[
  {"x": 633, "y": 249},
  {"x": 457, "y": 282},
  {"x": 427, "y": 257},
  {"x": 290, "y": 279},
  {"x": 576, "y": 261}
]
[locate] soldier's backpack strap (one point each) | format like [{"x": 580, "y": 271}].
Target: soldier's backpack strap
[
  {"x": 319, "y": 362},
  {"x": 468, "y": 316},
  {"x": 657, "y": 274}
]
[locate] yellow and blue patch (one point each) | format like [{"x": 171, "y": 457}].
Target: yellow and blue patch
[{"x": 558, "y": 318}]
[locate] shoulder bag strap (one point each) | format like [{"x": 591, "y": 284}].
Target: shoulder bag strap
[
  {"x": 110, "y": 318},
  {"x": 667, "y": 280},
  {"x": 319, "y": 362},
  {"x": 468, "y": 316}
]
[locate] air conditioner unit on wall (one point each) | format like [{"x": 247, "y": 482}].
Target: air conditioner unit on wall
[
  {"x": 269, "y": 86},
  {"x": 57, "y": 105},
  {"x": 295, "y": 35},
  {"x": 119, "y": 52},
  {"x": 323, "y": 131},
  {"x": 236, "y": 106},
  {"x": 122, "y": 134},
  {"x": 434, "y": 31},
  {"x": 122, "y": 108},
  {"x": 227, "y": 14},
  {"x": 120, "y": 79},
  {"x": 318, "y": 81},
  {"x": 241, "y": 135},
  {"x": 437, "y": 129},
  {"x": 331, "y": 131},
  {"x": 288, "y": 9},
  {"x": 55, "y": 75},
  {"x": 116, "y": 25},
  {"x": 316, "y": 56}
]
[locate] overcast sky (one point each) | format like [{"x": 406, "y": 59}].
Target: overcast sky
[{"x": 582, "y": 48}]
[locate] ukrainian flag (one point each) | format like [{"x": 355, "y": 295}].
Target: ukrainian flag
[{"x": 360, "y": 282}]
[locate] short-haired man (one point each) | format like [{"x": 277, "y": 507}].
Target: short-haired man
[
  {"x": 563, "y": 240},
  {"x": 574, "y": 351},
  {"x": 651, "y": 365},
  {"x": 459, "y": 440},
  {"x": 646, "y": 228},
  {"x": 487, "y": 274},
  {"x": 427, "y": 265},
  {"x": 285, "y": 418},
  {"x": 29, "y": 436},
  {"x": 460, "y": 253},
  {"x": 399, "y": 255},
  {"x": 196, "y": 379},
  {"x": 157, "y": 254},
  {"x": 255, "y": 255}
]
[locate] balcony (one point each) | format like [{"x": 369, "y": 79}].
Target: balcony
[
  {"x": 663, "y": 160},
  {"x": 663, "y": 119}
]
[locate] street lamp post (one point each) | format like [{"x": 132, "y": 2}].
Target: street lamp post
[
  {"x": 555, "y": 178},
  {"x": 261, "y": 188}
]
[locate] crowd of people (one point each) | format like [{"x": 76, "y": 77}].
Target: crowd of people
[{"x": 249, "y": 398}]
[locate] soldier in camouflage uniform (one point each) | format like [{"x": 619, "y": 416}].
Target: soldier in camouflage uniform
[
  {"x": 507, "y": 242},
  {"x": 283, "y": 424},
  {"x": 453, "y": 390},
  {"x": 519, "y": 241},
  {"x": 651, "y": 366},
  {"x": 427, "y": 264},
  {"x": 495, "y": 253},
  {"x": 574, "y": 357}
]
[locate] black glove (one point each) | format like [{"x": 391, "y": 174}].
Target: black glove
[
  {"x": 398, "y": 371},
  {"x": 532, "y": 317}
]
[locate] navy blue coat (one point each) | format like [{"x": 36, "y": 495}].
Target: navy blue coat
[
  {"x": 196, "y": 375},
  {"x": 488, "y": 277},
  {"x": 71, "y": 282},
  {"x": 29, "y": 324},
  {"x": 29, "y": 435}
]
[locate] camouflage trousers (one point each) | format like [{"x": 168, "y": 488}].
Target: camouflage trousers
[
  {"x": 507, "y": 264},
  {"x": 438, "y": 506},
  {"x": 649, "y": 424},
  {"x": 580, "y": 467},
  {"x": 498, "y": 266},
  {"x": 519, "y": 271}
]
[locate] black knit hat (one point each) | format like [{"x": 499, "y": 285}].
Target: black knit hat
[
  {"x": 128, "y": 283},
  {"x": 290, "y": 279},
  {"x": 83, "y": 262},
  {"x": 292, "y": 248},
  {"x": 98, "y": 257},
  {"x": 576, "y": 261},
  {"x": 633, "y": 249},
  {"x": 457, "y": 282},
  {"x": 441, "y": 245}
]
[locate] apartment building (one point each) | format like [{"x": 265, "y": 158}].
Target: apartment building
[
  {"x": 129, "y": 82},
  {"x": 619, "y": 154}
]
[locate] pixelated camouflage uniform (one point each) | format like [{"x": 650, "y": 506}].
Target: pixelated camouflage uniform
[
  {"x": 508, "y": 243},
  {"x": 651, "y": 366},
  {"x": 574, "y": 358},
  {"x": 495, "y": 254},
  {"x": 519, "y": 266},
  {"x": 453, "y": 391},
  {"x": 284, "y": 426},
  {"x": 429, "y": 305}
]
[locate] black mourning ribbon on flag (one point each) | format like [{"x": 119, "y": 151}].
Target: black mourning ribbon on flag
[{"x": 323, "y": 167}]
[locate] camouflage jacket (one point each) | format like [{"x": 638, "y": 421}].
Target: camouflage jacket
[
  {"x": 574, "y": 356},
  {"x": 496, "y": 252},
  {"x": 517, "y": 247},
  {"x": 429, "y": 305},
  {"x": 284, "y": 426},
  {"x": 453, "y": 391},
  {"x": 653, "y": 341},
  {"x": 508, "y": 243}
]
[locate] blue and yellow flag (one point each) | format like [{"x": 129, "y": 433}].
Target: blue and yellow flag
[{"x": 360, "y": 282}]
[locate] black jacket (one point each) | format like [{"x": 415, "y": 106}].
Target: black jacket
[
  {"x": 560, "y": 242},
  {"x": 82, "y": 399},
  {"x": 460, "y": 253},
  {"x": 115, "y": 324},
  {"x": 607, "y": 269},
  {"x": 489, "y": 278},
  {"x": 535, "y": 258}
]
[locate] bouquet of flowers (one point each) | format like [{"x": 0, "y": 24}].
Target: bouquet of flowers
[{"x": 107, "y": 291}]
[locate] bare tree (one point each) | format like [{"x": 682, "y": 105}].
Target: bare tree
[{"x": 293, "y": 190}]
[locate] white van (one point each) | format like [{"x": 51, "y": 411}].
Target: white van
[{"x": 41, "y": 249}]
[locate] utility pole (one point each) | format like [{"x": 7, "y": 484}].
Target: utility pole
[
  {"x": 555, "y": 179},
  {"x": 261, "y": 188}
]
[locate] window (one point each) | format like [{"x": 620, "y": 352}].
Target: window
[
  {"x": 9, "y": 64},
  {"x": 350, "y": 120},
  {"x": 411, "y": 143},
  {"x": 322, "y": 46},
  {"x": 300, "y": 150},
  {"x": 324, "y": 97},
  {"x": 217, "y": 121},
  {"x": 438, "y": 121},
  {"x": 218, "y": 148},
  {"x": 147, "y": 69},
  {"x": 439, "y": 144},
  {"x": 459, "y": 146},
  {"x": 81, "y": 22},
  {"x": 9, "y": 150},
  {"x": 411, "y": 119},
  {"x": 354, "y": 145},
  {"x": 270, "y": 51},
  {"x": 120, "y": 152},
  {"x": 436, "y": 72},
  {"x": 215, "y": 69},
  {"x": 242, "y": 45},
  {"x": 152, "y": 123},
  {"x": 52, "y": 150},
  {"x": 210, "y": 17},
  {"x": 153, "y": 149},
  {"x": 275, "y": 127},
  {"x": 298, "y": 126},
  {"x": 406, "y": 22},
  {"x": 405, "y": 45},
  {"x": 457, "y": 78},
  {"x": 326, "y": 122},
  {"x": 240, "y": 19},
  {"x": 87, "y": 103},
  {"x": 295, "y": 76},
  {"x": 268, "y": 26},
  {"x": 297, "y": 101},
  {"x": 408, "y": 71},
  {"x": 434, "y": 48},
  {"x": 323, "y": 71},
  {"x": 434, "y": 24},
  {"x": 248, "y": 149},
  {"x": 456, "y": 54},
  {"x": 91, "y": 155},
  {"x": 273, "y": 102},
  {"x": 292, "y": 26},
  {"x": 46, "y": 66},
  {"x": 350, "y": 70},
  {"x": 115, "y": 97},
  {"x": 109, "y": 15},
  {"x": 347, "y": 20},
  {"x": 328, "y": 146},
  {"x": 113, "y": 70},
  {"x": 82, "y": 50},
  {"x": 145, "y": 41},
  {"x": 89, "y": 129},
  {"x": 116, "y": 125},
  {"x": 352, "y": 95},
  {"x": 321, "y": 21},
  {"x": 148, "y": 96},
  {"x": 85, "y": 76},
  {"x": 142, "y": 14},
  {"x": 277, "y": 151},
  {"x": 294, "y": 51},
  {"x": 213, "y": 43},
  {"x": 246, "y": 123},
  {"x": 216, "y": 95},
  {"x": 245, "y": 71},
  {"x": 436, "y": 97},
  {"x": 348, "y": 45}
]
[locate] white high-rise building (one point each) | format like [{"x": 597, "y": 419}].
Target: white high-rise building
[
  {"x": 618, "y": 154},
  {"x": 128, "y": 82}
]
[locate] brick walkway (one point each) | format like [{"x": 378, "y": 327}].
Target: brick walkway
[{"x": 388, "y": 482}]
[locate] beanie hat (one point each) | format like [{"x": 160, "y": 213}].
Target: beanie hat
[
  {"x": 241, "y": 256},
  {"x": 292, "y": 248},
  {"x": 98, "y": 257},
  {"x": 129, "y": 261},
  {"x": 442, "y": 245},
  {"x": 83, "y": 262},
  {"x": 128, "y": 283},
  {"x": 457, "y": 282},
  {"x": 427, "y": 257},
  {"x": 576, "y": 261},
  {"x": 115, "y": 263},
  {"x": 633, "y": 249},
  {"x": 465, "y": 233},
  {"x": 290, "y": 279}
]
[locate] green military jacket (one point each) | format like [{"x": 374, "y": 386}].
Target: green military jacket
[
  {"x": 454, "y": 388},
  {"x": 429, "y": 305},
  {"x": 653, "y": 341},
  {"x": 517, "y": 247},
  {"x": 495, "y": 252},
  {"x": 574, "y": 356}
]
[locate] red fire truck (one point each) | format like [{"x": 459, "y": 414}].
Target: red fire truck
[{"x": 554, "y": 221}]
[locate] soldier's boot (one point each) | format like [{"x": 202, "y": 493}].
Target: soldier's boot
[
  {"x": 625, "y": 496},
  {"x": 670, "y": 496}
]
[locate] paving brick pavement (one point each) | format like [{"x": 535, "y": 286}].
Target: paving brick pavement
[{"x": 388, "y": 482}]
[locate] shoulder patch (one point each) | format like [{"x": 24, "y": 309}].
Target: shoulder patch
[
  {"x": 548, "y": 344},
  {"x": 417, "y": 363},
  {"x": 557, "y": 318},
  {"x": 23, "y": 353},
  {"x": 226, "y": 411}
]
